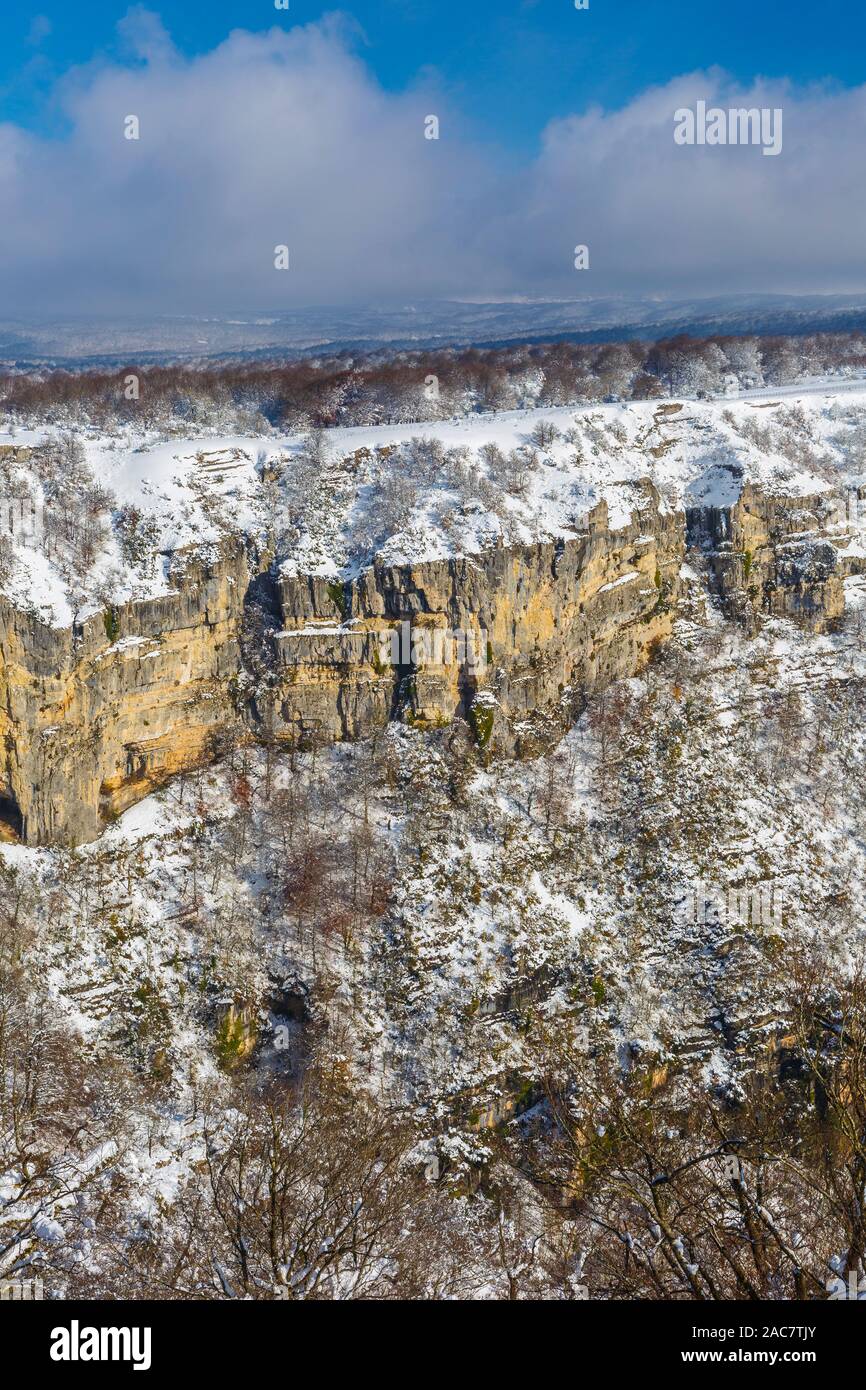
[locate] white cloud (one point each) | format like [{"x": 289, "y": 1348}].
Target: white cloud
[{"x": 286, "y": 137}]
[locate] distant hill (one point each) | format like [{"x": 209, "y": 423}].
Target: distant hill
[{"x": 80, "y": 342}]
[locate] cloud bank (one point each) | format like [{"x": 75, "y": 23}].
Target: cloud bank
[{"x": 286, "y": 138}]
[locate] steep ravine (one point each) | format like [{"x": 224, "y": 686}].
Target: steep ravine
[{"x": 95, "y": 717}]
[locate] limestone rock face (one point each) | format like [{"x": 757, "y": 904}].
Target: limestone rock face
[
  {"x": 536, "y": 624},
  {"x": 94, "y": 717},
  {"x": 767, "y": 554}
]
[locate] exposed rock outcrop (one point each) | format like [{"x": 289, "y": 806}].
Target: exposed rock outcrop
[
  {"x": 542, "y": 623},
  {"x": 766, "y": 554},
  {"x": 94, "y": 717}
]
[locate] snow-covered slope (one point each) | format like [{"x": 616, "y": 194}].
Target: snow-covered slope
[
  {"x": 414, "y": 492},
  {"x": 548, "y": 977}
]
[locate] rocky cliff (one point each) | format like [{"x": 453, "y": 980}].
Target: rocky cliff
[
  {"x": 768, "y": 554},
  {"x": 94, "y": 717},
  {"x": 531, "y": 626}
]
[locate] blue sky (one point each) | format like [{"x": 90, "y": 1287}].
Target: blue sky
[
  {"x": 261, "y": 128},
  {"x": 511, "y": 65}
]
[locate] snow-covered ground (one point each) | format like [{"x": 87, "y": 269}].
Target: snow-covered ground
[{"x": 369, "y": 490}]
